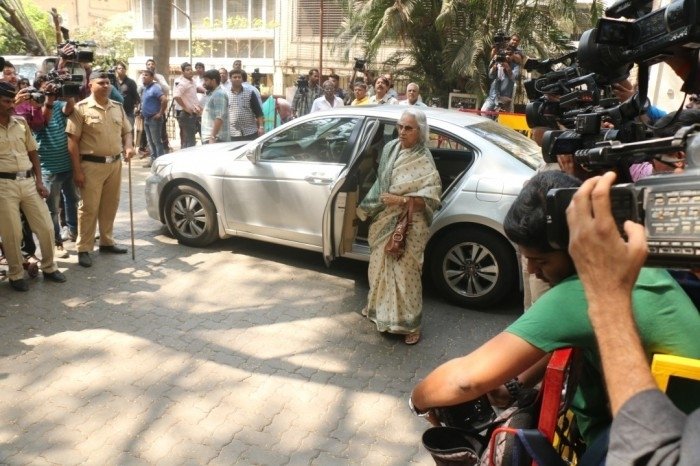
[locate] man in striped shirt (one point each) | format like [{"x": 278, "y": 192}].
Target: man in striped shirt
[{"x": 56, "y": 168}]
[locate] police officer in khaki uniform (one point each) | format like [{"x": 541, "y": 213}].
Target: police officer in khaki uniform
[
  {"x": 97, "y": 131},
  {"x": 21, "y": 187}
]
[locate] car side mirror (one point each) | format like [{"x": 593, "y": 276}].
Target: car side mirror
[{"x": 253, "y": 154}]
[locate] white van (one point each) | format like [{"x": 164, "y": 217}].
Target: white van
[{"x": 26, "y": 66}]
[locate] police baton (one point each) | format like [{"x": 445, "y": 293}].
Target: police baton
[{"x": 131, "y": 213}]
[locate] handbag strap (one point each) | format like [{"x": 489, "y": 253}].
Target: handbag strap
[{"x": 410, "y": 209}]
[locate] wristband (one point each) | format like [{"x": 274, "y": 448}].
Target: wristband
[
  {"x": 513, "y": 386},
  {"x": 415, "y": 411}
]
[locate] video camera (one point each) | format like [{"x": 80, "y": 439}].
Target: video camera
[
  {"x": 360, "y": 64},
  {"x": 65, "y": 85},
  {"x": 668, "y": 205},
  {"x": 84, "y": 52},
  {"x": 36, "y": 95},
  {"x": 302, "y": 83},
  {"x": 256, "y": 75},
  {"x": 613, "y": 45},
  {"x": 500, "y": 39}
]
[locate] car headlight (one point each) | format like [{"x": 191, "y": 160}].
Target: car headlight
[{"x": 160, "y": 168}]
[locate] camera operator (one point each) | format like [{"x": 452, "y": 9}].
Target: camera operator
[
  {"x": 307, "y": 91},
  {"x": 513, "y": 43},
  {"x": 647, "y": 427},
  {"x": 503, "y": 82},
  {"x": 667, "y": 319},
  {"x": 56, "y": 168},
  {"x": 670, "y": 162}
]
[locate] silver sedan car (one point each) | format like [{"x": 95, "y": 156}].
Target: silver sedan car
[{"x": 299, "y": 185}]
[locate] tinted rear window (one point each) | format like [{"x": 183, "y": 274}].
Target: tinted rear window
[{"x": 511, "y": 141}]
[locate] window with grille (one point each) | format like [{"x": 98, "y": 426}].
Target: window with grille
[{"x": 308, "y": 20}]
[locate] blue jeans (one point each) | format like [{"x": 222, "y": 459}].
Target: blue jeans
[
  {"x": 58, "y": 183},
  {"x": 188, "y": 127},
  {"x": 154, "y": 136}
]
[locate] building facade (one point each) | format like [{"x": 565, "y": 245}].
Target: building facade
[{"x": 281, "y": 38}]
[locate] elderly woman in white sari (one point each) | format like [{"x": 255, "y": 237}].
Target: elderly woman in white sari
[{"x": 406, "y": 169}]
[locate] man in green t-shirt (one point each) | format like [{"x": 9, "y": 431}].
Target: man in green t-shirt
[{"x": 666, "y": 318}]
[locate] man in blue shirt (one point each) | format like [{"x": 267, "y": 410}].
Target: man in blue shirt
[{"x": 153, "y": 106}]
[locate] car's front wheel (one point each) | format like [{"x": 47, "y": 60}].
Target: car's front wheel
[
  {"x": 191, "y": 216},
  {"x": 473, "y": 268}
]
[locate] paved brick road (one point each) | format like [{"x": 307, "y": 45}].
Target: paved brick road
[{"x": 242, "y": 353}]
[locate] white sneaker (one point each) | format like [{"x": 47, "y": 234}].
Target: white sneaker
[
  {"x": 61, "y": 253},
  {"x": 66, "y": 235}
]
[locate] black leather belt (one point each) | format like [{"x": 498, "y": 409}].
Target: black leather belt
[
  {"x": 16, "y": 175},
  {"x": 99, "y": 159}
]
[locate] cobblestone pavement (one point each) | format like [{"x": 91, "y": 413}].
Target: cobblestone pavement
[{"x": 240, "y": 353}]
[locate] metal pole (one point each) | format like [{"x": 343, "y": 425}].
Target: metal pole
[
  {"x": 320, "y": 46},
  {"x": 189, "y": 21}
]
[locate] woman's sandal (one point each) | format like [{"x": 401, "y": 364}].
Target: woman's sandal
[{"x": 412, "y": 338}]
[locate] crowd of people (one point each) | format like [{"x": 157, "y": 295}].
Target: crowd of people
[
  {"x": 52, "y": 146},
  {"x": 597, "y": 298},
  {"x": 237, "y": 111},
  {"x": 60, "y": 170}
]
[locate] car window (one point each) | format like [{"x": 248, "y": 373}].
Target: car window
[
  {"x": 442, "y": 141},
  {"x": 321, "y": 140},
  {"x": 511, "y": 141}
]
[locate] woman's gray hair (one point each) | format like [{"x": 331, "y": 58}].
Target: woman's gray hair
[{"x": 421, "y": 119}]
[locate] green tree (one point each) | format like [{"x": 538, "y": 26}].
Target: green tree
[
  {"x": 447, "y": 43},
  {"x": 25, "y": 29},
  {"x": 111, "y": 39}
]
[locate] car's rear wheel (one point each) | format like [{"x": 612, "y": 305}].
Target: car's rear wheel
[
  {"x": 191, "y": 216},
  {"x": 473, "y": 268}
]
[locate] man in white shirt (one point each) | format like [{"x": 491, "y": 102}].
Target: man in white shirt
[
  {"x": 328, "y": 100},
  {"x": 225, "y": 82},
  {"x": 413, "y": 96}
]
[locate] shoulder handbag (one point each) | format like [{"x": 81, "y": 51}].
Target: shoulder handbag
[{"x": 396, "y": 245}]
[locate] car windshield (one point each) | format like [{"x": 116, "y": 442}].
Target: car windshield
[{"x": 514, "y": 143}]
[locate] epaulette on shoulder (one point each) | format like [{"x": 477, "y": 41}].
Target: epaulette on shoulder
[
  {"x": 116, "y": 102},
  {"x": 82, "y": 102}
]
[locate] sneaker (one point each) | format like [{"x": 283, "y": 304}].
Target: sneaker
[
  {"x": 61, "y": 253},
  {"x": 67, "y": 234}
]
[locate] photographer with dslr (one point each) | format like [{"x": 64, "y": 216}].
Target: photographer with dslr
[
  {"x": 503, "y": 83},
  {"x": 308, "y": 90},
  {"x": 666, "y": 317},
  {"x": 647, "y": 428}
]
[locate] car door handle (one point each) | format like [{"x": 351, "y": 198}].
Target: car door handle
[{"x": 315, "y": 178}]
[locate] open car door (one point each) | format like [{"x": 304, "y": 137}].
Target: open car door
[{"x": 339, "y": 228}]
